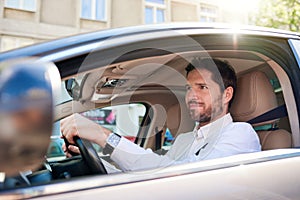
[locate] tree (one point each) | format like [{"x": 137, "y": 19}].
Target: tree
[{"x": 283, "y": 14}]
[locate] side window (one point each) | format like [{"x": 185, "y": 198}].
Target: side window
[
  {"x": 168, "y": 140},
  {"x": 122, "y": 119},
  {"x": 295, "y": 44}
]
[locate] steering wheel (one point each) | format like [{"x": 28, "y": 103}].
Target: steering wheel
[{"x": 90, "y": 156}]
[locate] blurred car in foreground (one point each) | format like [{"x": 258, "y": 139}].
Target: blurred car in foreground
[{"x": 132, "y": 81}]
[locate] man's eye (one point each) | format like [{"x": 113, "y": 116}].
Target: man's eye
[
  {"x": 203, "y": 87},
  {"x": 187, "y": 87}
]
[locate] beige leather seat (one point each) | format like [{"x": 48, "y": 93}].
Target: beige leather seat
[
  {"x": 178, "y": 120},
  {"x": 255, "y": 96}
]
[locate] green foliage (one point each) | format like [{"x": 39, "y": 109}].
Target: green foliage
[{"x": 283, "y": 14}]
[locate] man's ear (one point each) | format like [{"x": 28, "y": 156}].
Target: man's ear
[{"x": 228, "y": 94}]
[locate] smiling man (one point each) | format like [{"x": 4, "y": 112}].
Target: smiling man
[{"x": 210, "y": 89}]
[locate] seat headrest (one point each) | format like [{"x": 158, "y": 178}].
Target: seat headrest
[{"x": 254, "y": 96}]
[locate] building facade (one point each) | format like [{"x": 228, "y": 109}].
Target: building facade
[{"x": 24, "y": 22}]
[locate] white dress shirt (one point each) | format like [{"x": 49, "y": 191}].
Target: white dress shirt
[{"x": 220, "y": 138}]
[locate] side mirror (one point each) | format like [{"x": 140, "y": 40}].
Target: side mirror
[
  {"x": 73, "y": 88},
  {"x": 27, "y": 89}
]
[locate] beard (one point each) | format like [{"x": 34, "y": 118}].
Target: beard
[
  {"x": 205, "y": 114},
  {"x": 201, "y": 116}
]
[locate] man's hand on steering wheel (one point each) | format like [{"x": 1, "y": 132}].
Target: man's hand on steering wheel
[
  {"x": 79, "y": 130},
  {"x": 70, "y": 150},
  {"x": 77, "y": 125}
]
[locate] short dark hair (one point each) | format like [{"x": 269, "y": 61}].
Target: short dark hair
[{"x": 216, "y": 67}]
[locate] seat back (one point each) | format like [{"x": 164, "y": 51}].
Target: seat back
[
  {"x": 255, "y": 96},
  {"x": 178, "y": 120}
]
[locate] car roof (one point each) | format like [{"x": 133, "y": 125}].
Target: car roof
[{"x": 57, "y": 45}]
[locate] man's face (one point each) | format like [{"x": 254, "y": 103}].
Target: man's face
[{"x": 203, "y": 97}]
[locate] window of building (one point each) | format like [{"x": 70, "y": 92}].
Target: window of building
[
  {"x": 94, "y": 9},
  {"x": 29, "y": 5},
  {"x": 10, "y": 42},
  {"x": 155, "y": 11},
  {"x": 208, "y": 13}
]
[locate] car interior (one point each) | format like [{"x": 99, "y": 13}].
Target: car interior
[{"x": 159, "y": 83}]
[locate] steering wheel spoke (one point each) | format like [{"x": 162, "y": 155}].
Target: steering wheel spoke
[{"x": 90, "y": 156}]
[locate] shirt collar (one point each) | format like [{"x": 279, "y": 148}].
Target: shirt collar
[{"x": 213, "y": 127}]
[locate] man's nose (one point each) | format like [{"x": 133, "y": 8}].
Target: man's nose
[{"x": 191, "y": 94}]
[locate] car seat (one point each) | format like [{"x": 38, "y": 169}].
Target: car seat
[
  {"x": 255, "y": 96},
  {"x": 178, "y": 120}
]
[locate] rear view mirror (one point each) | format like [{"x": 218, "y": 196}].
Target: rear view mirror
[{"x": 26, "y": 113}]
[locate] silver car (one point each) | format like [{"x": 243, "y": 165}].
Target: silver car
[{"x": 132, "y": 81}]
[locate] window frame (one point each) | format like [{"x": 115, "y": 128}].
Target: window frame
[
  {"x": 295, "y": 46},
  {"x": 208, "y": 16},
  {"x": 155, "y": 7},
  {"x": 21, "y": 4},
  {"x": 93, "y": 12}
]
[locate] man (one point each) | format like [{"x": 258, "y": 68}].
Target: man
[{"x": 210, "y": 89}]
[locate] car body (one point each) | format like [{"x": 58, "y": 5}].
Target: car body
[{"x": 142, "y": 69}]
